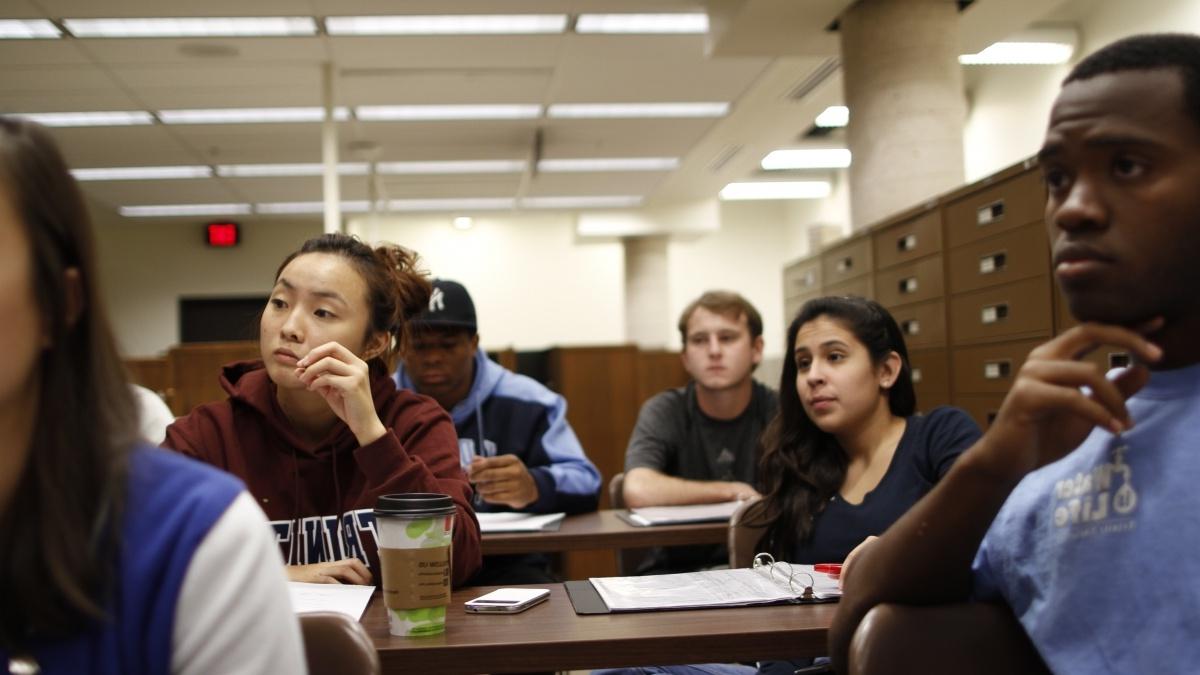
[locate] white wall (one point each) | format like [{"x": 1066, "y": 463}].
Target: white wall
[
  {"x": 746, "y": 255},
  {"x": 1010, "y": 105},
  {"x": 1006, "y": 120},
  {"x": 145, "y": 267},
  {"x": 534, "y": 285}
]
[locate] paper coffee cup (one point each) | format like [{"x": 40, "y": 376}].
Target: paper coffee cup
[{"x": 415, "y": 533}]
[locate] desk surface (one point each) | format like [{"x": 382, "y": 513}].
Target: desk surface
[
  {"x": 603, "y": 529},
  {"x": 551, "y": 636}
]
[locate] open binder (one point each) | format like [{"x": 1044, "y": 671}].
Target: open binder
[{"x": 768, "y": 584}]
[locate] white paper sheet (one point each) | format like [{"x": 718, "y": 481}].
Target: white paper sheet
[
  {"x": 519, "y": 522},
  {"x": 694, "y": 513},
  {"x": 345, "y": 598}
]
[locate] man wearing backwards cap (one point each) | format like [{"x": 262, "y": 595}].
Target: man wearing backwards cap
[{"x": 517, "y": 447}]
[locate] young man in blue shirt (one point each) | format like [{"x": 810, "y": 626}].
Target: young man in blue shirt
[
  {"x": 1073, "y": 509},
  {"x": 517, "y": 447}
]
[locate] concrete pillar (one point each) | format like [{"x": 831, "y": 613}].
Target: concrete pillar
[
  {"x": 904, "y": 88},
  {"x": 647, "y": 323}
]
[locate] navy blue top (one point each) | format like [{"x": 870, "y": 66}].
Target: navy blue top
[{"x": 929, "y": 446}]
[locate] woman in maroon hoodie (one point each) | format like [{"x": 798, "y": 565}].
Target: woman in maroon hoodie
[{"x": 317, "y": 429}]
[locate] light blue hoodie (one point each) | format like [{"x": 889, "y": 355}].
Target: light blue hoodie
[{"x": 509, "y": 414}]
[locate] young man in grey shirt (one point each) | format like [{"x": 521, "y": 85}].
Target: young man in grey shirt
[{"x": 698, "y": 444}]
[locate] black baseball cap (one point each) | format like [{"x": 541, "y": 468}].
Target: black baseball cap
[{"x": 450, "y": 306}]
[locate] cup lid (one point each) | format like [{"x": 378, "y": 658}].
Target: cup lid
[{"x": 414, "y": 504}]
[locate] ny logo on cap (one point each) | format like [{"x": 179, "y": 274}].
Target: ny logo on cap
[{"x": 437, "y": 301}]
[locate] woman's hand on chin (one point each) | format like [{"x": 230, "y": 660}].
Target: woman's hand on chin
[{"x": 344, "y": 381}]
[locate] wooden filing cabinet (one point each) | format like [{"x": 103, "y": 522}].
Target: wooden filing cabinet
[
  {"x": 966, "y": 276},
  {"x": 1011, "y": 202},
  {"x": 931, "y": 377},
  {"x": 923, "y": 324},
  {"x": 910, "y": 282},
  {"x": 990, "y": 369},
  {"x": 802, "y": 277},
  {"x": 850, "y": 259},
  {"x": 981, "y": 407},
  {"x": 860, "y": 287},
  {"x": 908, "y": 240},
  {"x": 1017, "y": 254},
  {"x": 1006, "y": 312},
  {"x": 801, "y": 282}
]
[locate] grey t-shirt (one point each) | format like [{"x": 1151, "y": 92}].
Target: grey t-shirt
[{"x": 673, "y": 436}]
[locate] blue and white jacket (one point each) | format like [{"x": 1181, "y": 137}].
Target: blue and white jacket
[{"x": 510, "y": 414}]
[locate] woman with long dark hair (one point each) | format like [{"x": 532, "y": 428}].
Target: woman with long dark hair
[
  {"x": 317, "y": 428},
  {"x": 846, "y": 455},
  {"x": 114, "y": 557}
]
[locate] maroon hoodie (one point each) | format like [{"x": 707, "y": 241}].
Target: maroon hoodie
[{"x": 308, "y": 487}]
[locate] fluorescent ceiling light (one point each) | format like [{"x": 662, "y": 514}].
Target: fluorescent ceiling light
[
  {"x": 802, "y": 189},
  {"x": 456, "y": 204},
  {"x": 27, "y": 29},
  {"x": 408, "y": 113},
  {"x": 627, "y": 110},
  {"x": 834, "y": 116},
  {"x": 594, "y": 202},
  {"x": 184, "y": 210},
  {"x": 807, "y": 158},
  {"x": 609, "y": 164},
  {"x": 142, "y": 173},
  {"x": 111, "y": 118},
  {"x": 287, "y": 170},
  {"x": 455, "y": 24},
  {"x": 464, "y": 166},
  {"x": 249, "y": 115},
  {"x": 642, "y": 23},
  {"x": 275, "y": 208},
  {"x": 1021, "y": 53},
  {"x": 241, "y": 26}
]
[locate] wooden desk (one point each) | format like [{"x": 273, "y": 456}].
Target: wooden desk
[
  {"x": 551, "y": 636},
  {"x": 603, "y": 530}
]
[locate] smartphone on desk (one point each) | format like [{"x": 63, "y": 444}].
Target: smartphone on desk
[{"x": 507, "y": 600}]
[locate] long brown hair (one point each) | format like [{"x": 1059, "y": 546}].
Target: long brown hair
[
  {"x": 396, "y": 290},
  {"x": 60, "y": 532},
  {"x": 803, "y": 466}
]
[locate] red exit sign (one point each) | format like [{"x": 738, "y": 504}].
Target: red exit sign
[{"x": 222, "y": 235}]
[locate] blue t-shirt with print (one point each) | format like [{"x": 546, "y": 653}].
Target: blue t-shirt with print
[{"x": 1096, "y": 553}]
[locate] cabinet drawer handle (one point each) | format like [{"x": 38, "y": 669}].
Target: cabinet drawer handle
[
  {"x": 989, "y": 213},
  {"x": 916, "y": 375},
  {"x": 910, "y": 327},
  {"x": 997, "y": 370},
  {"x": 845, "y": 264},
  {"x": 906, "y": 243},
  {"x": 992, "y": 263},
  {"x": 908, "y": 285},
  {"x": 993, "y": 313},
  {"x": 805, "y": 282}
]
